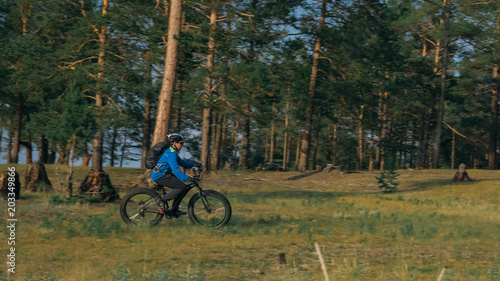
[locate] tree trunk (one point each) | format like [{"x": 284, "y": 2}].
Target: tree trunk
[
  {"x": 444, "y": 70},
  {"x": 360, "y": 138},
  {"x": 113, "y": 147},
  {"x": 297, "y": 154},
  {"x": 86, "y": 156},
  {"x": 146, "y": 122},
  {"x": 493, "y": 122},
  {"x": 69, "y": 178},
  {"x": 123, "y": 149},
  {"x": 43, "y": 154},
  {"x": 18, "y": 128},
  {"x": 304, "y": 151},
  {"x": 234, "y": 137},
  {"x": 335, "y": 153},
  {"x": 205, "y": 133},
  {"x": 383, "y": 127},
  {"x": 423, "y": 139},
  {"x": 29, "y": 151},
  {"x": 271, "y": 148},
  {"x": 176, "y": 115},
  {"x": 167, "y": 88},
  {"x": 285, "y": 139},
  {"x": 315, "y": 144},
  {"x": 453, "y": 151},
  {"x": 97, "y": 154},
  {"x": 245, "y": 142},
  {"x": 223, "y": 140},
  {"x": 19, "y": 106},
  {"x": 9, "y": 148},
  {"x": 216, "y": 141},
  {"x": 372, "y": 148}
]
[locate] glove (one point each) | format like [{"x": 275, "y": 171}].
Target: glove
[{"x": 198, "y": 165}]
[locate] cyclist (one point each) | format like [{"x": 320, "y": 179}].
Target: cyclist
[{"x": 167, "y": 172}]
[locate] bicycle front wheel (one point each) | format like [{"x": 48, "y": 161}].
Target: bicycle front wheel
[
  {"x": 139, "y": 207},
  {"x": 211, "y": 209}
]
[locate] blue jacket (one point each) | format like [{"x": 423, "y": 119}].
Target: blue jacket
[{"x": 169, "y": 163}]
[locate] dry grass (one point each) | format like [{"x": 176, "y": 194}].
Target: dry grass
[{"x": 431, "y": 224}]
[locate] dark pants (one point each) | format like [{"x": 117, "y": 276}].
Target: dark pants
[{"x": 177, "y": 186}]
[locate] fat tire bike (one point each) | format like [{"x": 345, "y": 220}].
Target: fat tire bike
[{"x": 146, "y": 207}]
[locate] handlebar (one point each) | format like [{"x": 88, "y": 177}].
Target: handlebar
[{"x": 197, "y": 174}]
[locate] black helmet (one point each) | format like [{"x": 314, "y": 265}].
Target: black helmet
[{"x": 175, "y": 137}]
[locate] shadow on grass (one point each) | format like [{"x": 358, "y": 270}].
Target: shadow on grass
[
  {"x": 423, "y": 185},
  {"x": 274, "y": 221},
  {"x": 301, "y": 176},
  {"x": 241, "y": 197}
]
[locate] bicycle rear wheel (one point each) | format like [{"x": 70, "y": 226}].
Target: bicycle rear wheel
[
  {"x": 139, "y": 207},
  {"x": 212, "y": 209}
]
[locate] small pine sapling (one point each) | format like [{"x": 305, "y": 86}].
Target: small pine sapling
[{"x": 387, "y": 181}]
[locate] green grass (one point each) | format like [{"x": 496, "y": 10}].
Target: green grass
[{"x": 364, "y": 234}]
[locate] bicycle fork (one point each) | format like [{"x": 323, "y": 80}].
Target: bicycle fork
[{"x": 204, "y": 200}]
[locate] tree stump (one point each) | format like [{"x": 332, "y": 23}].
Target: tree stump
[
  {"x": 461, "y": 174},
  {"x": 4, "y": 184},
  {"x": 36, "y": 177},
  {"x": 98, "y": 184}
]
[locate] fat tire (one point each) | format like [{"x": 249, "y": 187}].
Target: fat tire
[
  {"x": 214, "y": 194},
  {"x": 132, "y": 193}
]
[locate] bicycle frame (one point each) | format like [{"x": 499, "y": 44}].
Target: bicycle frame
[{"x": 188, "y": 188}]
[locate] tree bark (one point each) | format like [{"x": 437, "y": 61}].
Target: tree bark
[
  {"x": 18, "y": 128},
  {"x": 360, "y": 138},
  {"x": 216, "y": 141},
  {"x": 146, "y": 122},
  {"x": 86, "y": 156},
  {"x": 43, "y": 154},
  {"x": 492, "y": 151},
  {"x": 371, "y": 164},
  {"x": 423, "y": 139},
  {"x": 245, "y": 143},
  {"x": 123, "y": 149},
  {"x": 304, "y": 150},
  {"x": 29, "y": 150},
  {"x": 19, "y": 106},
  {"x": 383, "y": 127},
  {"x": 112, "y": 149},
  {"x": 234, "y": 136},
  {"x": 97, "y": 154},
  {"x": 285, "y": 139},
  {"x": 171, "y": 59},
  {"x": 69, "y": 178},
  {"x": 205, "y": 134},
  {"x": 335, "y": 146},
  {"x": 271, "y": 147},
  {"x": 444, "y": 70}
]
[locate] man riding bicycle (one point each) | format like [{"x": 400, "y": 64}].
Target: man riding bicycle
[{"x": 167, "y": 172}]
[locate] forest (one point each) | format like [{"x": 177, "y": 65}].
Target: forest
[{"x": 252, "y": 84}]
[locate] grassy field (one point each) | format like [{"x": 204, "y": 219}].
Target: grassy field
[{"x": 431, "y": 227}]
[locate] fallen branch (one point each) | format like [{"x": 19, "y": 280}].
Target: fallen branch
[
  {"x": 323, "y": 265},
  {"x": 441, "y": 275}
]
